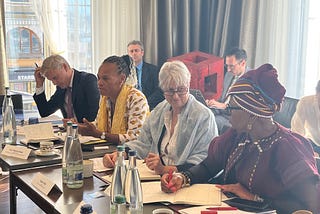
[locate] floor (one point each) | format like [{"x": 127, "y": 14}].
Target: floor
[{"x": 24, "y": 204}]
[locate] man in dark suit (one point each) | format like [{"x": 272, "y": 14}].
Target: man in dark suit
[
  {"x": 77, "y": 94},
  {"x": 236, "y": 65},
  {"x": 147, "y": 74}
]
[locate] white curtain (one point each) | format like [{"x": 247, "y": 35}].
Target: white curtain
[
  {"x": 53, "y": 22},
  {"x": 114, "y": 24},
  {"x": 281, "y": 41}
]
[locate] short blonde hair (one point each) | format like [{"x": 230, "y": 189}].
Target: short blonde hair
[
  {"x": 53, "y": 62},
  {"x": 174, "y": 72}
]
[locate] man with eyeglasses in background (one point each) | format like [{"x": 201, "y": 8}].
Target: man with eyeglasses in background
[{"x": 236, "y": 66}]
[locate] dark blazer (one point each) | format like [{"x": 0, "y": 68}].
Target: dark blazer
[
  {"x": 150, "y": 84},
  {"x": 85, "y": 98}
]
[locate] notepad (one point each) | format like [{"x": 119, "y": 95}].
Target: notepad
[
  {"x": 197, "y": 194},
  {"x": 145, "y": 173},
  {"x": 38, "y": 132}
]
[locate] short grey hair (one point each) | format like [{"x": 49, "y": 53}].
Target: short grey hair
[
  {"x": 136, "y": 42},
  {"x": 53, "y": 62},
  {"x": 174, "y": 72}
]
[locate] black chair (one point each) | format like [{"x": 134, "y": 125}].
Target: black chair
[
  {"x": 17, "y": 106},
  {"x": 286, "y": 112}
]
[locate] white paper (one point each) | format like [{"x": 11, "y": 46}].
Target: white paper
[
  {"x": 98, "y": 165},
  {"x": 39, "y": 132},
  {"x": 16, "y": 151},
  {"x": 42, "y": 183}
]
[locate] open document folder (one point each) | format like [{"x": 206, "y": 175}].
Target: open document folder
[
  {"x": 39, "y": 132},
  {"x": 197, "y": 194},
  {"x": 145, "y": 173}
]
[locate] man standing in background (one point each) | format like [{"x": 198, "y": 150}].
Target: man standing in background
[{"x": 147, "y": 74}]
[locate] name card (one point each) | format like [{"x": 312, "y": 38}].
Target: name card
[
  {"x": 16, "y": 151},
  {"x": 42, "y": 183}
]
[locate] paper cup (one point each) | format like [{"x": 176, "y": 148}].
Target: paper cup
[
  {"x": 162, "y": 211},
  {"x": 87, "y": 168},
  {"x": 46, "y": 147}
]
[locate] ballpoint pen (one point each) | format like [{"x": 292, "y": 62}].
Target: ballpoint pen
[
  {"x": 37, "y": 66},
  {"x": 222, "y": 208}
]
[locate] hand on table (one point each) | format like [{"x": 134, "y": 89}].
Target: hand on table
[
  {"x": 237, "y": 189},
  {"x": 109, "y": 160},
  {"x": 171, "y": 182},
  {"x": 153, "y": 162}
]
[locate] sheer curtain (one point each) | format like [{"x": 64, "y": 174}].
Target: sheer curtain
[
  {"x": 270, "y": 31},
  {"x": 4, "y": 76},
  {"x": 281, "y": 40},
  {"x": 114, "y": 24},
  {"x": 52, "y": 18}
]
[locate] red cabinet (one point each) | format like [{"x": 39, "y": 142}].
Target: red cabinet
[{"x": 206, "y": 72}]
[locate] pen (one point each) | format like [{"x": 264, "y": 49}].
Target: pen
[
  {"x": 209, "y": 212},
  {"x": 222, "y": 208},
  {"x": 170, "y": 175},
  {"x": 36, "y": 65}
]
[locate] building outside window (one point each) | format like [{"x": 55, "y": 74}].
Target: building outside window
[{"x": 27, "y": 45}]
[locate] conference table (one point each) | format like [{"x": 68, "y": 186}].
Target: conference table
[
  {"x": 61, "y": 199},
  {"x": 13, "y": 164}
]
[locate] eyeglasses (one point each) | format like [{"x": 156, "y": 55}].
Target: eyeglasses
[
  {"x": 229, "y": 108},
  {"x": 180, "y": 91},
  {"x": 231, "y": 66}
]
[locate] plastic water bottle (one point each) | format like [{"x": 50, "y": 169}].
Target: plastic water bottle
[
  {"x": 5, "y": 102},
  {"x": 74, "y": 161},
  {"x": 119, "y": 175},
  {"x": 9, "y": 122},
  {"x": 65, "y": 152},
  {"x": 133, "y": 189},
  {"x": 119, "y": 206}
]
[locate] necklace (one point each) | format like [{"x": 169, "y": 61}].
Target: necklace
[{"x": 262, "y": 145}]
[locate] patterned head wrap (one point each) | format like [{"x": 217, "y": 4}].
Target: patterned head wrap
[{"x": 258, "y": 91}]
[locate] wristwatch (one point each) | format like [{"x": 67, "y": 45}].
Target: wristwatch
[{"x": 103, "y": 136}]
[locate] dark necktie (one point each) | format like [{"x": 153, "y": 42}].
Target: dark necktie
[{"x": 69, "y": 106}]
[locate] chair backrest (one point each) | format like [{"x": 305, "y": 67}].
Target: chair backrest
[
  {"x": 286, "y": 112},
  {"x": 198, "y": 95},
  {"x": 16, "y": 101}
]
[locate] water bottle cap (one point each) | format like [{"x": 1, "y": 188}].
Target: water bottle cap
[
  {"x": 120, "y": 199},
  {"x": 120, "y": 148},
  {"x": 74, "y": 126},
  {"x": 132, "y": 153},
  {"x": 69, "y": 123},
  {"x": 86, "y": 208}
]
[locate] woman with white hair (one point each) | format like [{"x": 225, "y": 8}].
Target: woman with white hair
[{"x": 178, "y": 131}]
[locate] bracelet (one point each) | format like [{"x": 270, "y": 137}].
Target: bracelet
[
  {"x": 186, "y": 179},
  {"x": 258, "y": 198}
]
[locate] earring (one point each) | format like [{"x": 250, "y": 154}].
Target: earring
[{"x": 250, "y": 122}]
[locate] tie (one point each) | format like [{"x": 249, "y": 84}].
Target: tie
[
  {"x": 139, "y": 74},
  {"x": 69, "y": 106}
]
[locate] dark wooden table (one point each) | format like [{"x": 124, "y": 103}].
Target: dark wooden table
[
  {"x": 13, "y": 164},
  {"x": 67, "y": 200}
]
